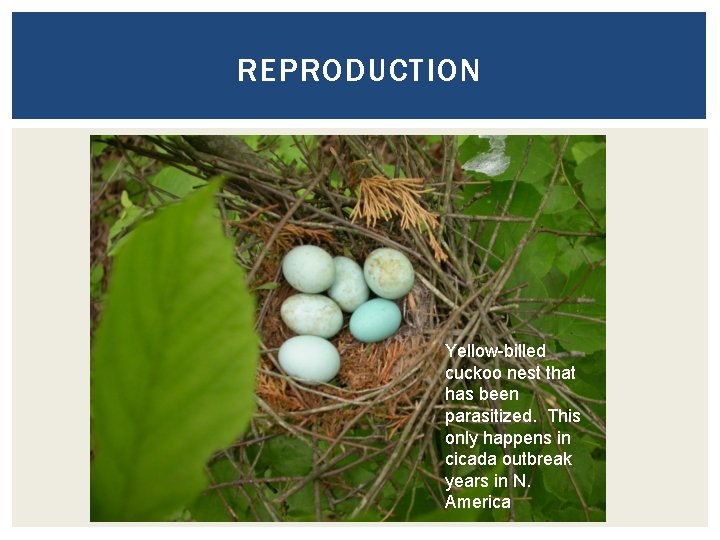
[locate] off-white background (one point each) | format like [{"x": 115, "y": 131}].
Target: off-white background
[{"x": 656, "y": 312}]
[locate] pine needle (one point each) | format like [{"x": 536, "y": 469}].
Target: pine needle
[{"x": 380, "y": 198}]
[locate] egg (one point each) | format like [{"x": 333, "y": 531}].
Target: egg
[
  {"x": 309, "y": 269},
  {"x": 375, "y": 320},
  {"x": 312, "y": 315},
  {"x": 349, "y": 289},
  {"x": 389, "y": 273},
  {"x": 311, "y": 359}
]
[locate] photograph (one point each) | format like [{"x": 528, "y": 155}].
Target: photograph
[{"x": 347, "y": 328}]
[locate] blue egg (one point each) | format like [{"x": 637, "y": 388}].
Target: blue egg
[
  {"x": 389, "y": 273},
  {"x": 310, "y": 359},
  {"x": 375, "y": 320},
  {"x": 309, "y": 269}
]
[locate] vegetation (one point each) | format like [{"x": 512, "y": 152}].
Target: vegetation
[{"x": 192, "y": 419}]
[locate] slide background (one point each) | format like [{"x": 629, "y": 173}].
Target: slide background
[{"x": 656, "y": 242}]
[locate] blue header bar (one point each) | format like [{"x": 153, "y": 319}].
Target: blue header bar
[{"x": 527, "y": 65}]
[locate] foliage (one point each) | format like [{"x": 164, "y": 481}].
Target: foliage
[
  {"x": 562, "y": 267},
  {"x": 173, "y": 364},
  {"x": 565, "y": 257},
  {"x": 532, "y": 236}
]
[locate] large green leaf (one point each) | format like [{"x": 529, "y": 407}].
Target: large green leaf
[{"x": 173, "y": 364}]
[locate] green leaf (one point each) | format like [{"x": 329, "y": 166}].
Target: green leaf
[
  {"x": 556, "y": 479},
  {"x": 597, "y": 496},
  {"x": 173, "y": 364},
  {"x": 591, "y": 173},
  {"x": 221, "y": 503},
  {"x": 561, "y": 199},
  {"x": 269, "y": 286},
  {"x": 111, "y": 169},
  {"x": 173, "y": 181},
  {"x": 583, "y": 468},
  {"x": 570, "y": 259},
  {"x": 580, "y": 334},
  {"x": 285, "y": 148},
  {"x": 301, "y": 504},
  {"x": 582, "y": 150},
  {"x": 521, "y": 508},
  {"x": 130, "y": 215},
  {"x": 471, "y": 146},
  {"x": 97, "y": 273},
  {"x": 97, "y": 148},
  {"x": 127, "y": 218},
  {"x": 538, "y": 255},
  {"x": 458, "y": 512},
  {"x": 125, "y": 200},
  {"x": 288, "y": 456},
  {"x": 251, "y": 140},
  {"x": 541, "y": 160}
]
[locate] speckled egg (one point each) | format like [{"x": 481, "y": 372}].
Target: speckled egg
[
  {"x": 349, "y": 289},
  {"x": 309, "y": 269},
  {"x": 312, "y": 315},
  {"x": 311, "y": 359},
  {"x": 375, "y": 320},
  {"x": 389, "y": 273}
]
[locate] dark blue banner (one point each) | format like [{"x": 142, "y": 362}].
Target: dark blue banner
[{"x": 358, "y": 65}]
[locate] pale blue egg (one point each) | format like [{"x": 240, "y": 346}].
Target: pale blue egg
[
  {"x": 349, "y": 290},
  {"x": 312, "y": 315},
  {"x": 310, "y": 359},
  {"x": 375, "y": 320},
  {"x": 309, "y": 269},
  {"x": 389, "y": 273}
]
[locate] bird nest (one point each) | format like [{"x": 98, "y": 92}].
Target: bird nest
[
  {"x": 369, "y": 438},
  {"x": 381, "y": 379}
]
